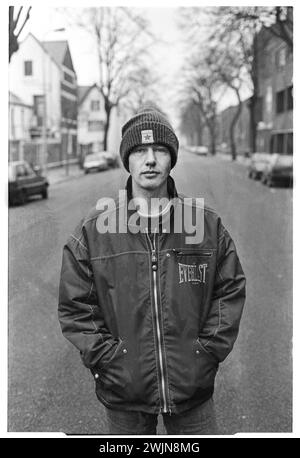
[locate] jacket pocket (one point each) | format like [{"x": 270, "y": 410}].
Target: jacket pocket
[
  {"x": 192, "y": 252},
  {"x": 206, "y": 363},
  {"x": 113, "y": 376},
  {"x": 115, "y": 352},
  {"x": 201, "y": 348}
]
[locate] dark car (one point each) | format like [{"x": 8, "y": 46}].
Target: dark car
[
  {"x": 24, "y": 181},
  {"x": 257, "y": 164},
  {"x": 279, "y": 170}
]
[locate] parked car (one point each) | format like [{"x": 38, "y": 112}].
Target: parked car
[
  {"x": 95, "y": 162},
  {"x": 24, "y": 181},
  {"x": 257, "y": 164},
  {"x": 279, "y": 170},
  {"x": 112, "y": 158},
  {"x": 200, "y": 150}
]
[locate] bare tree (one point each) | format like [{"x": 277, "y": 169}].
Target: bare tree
[
  {"x": 228, "y": 64},
  {"x": 143, "y": 92},
  {"x": 191, "y": 122},
  {"x": 246, "y": 23},
  {"x": 201, "y": 89},
  {"x": 239, "y": 28},
  {"x": 122, "y": 42},
  {"x": 16, "y": 25}
]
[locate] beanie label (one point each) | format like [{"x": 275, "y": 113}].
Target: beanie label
[{"x": 147, "y": 136}]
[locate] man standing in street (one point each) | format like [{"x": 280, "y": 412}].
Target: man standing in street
[{"x": 152, "y": 306}]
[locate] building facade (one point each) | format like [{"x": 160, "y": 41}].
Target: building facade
[
  {"x": 274, "y": 106},
  {"x": 275, "y": 102},
  {"x": 91, "y": 122},
  {"x": 42, "y": 76},
  {"x": 91, "y": 119}
]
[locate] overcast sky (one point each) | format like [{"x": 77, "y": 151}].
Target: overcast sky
[{"x": 167, "y": 57}]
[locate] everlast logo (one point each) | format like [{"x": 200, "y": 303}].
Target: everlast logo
[{"x": 192, "y": 273}]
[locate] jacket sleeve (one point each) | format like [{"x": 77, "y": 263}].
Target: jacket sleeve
[
  {"x": 222, "y": 324},
  {"x": 79, "y": 311}
]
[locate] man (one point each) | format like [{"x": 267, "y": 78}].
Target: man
[{"x": 152, "y": 310}]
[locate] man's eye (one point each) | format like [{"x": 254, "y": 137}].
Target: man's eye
[
  {"x": 139, "y": 150},
  {"x": 162, "y": 150}
]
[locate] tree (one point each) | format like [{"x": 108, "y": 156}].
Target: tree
[
  {"x": 122, "y": 43},
  {"x": 247, "y": 22},
  {"x": 239, "y": 27},
  {"x": 143, "y": 92},
  {"x": 201, "y": 92},
  {"x": 16, "y": 25},
  {"x": 191, "y": 122}
]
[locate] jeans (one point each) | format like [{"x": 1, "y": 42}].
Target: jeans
[{"x": 199, "y": 420}]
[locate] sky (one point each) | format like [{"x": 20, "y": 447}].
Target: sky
[{"x": 169, "y": 55}]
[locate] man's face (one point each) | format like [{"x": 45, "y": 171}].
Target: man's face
[{"x": 149, "y": 166}]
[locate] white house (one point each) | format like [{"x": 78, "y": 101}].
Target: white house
[
  {"x": 43, "y": 71},
  {"x": 32, "y": 74},
  {"x": 91, "y": 119}
]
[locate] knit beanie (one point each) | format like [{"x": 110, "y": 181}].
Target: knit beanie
[{"x": 148, "y": 126}]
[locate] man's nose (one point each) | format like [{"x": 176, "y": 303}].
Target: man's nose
[{"x": 150, "y": 158}]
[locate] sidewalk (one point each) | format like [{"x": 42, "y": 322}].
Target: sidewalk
[
  {"x": 58, "y": 174},
  {"x": 239, "y": 159}
]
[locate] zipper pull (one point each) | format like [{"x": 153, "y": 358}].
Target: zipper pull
[{"x": 154, "y": 260}]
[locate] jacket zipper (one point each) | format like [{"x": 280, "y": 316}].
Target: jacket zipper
[{"x": 159, "y": 337}]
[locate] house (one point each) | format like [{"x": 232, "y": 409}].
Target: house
[
  {"x": 91, "y": 122},
  {"x": 91, "y": 119},
  {"x": 42, "y": 75},
  {"x": 275, "y": 102}
]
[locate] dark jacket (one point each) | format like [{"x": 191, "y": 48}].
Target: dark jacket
[{"x": 152, "y": 317}]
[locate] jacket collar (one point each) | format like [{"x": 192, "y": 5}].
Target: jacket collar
[{"x": 150, "y": 224}]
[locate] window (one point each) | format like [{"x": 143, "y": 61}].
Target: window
[
  {"x": 12, "y": 122},
  {"x": 20, "y": 171},
  {"x": 28, "y": 67},
  {"x": 68, "y": 78},
  {"x": 290, "y": 98},
  {"x": 281, "y": 57},
  {"x": 280, "y": 102},
  {"x": 28, "y": 170},
  {"x": 38, "y": 101},
  {"x": 94, "y": 126},
  {"x": 289, "y": 143},
  {"x": 95, "y": 105},
  {"x": 280, "y": 143}
]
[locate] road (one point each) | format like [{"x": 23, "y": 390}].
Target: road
[{"x": 51, "y": 391}]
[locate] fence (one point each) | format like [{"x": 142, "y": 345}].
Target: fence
[{"x": 32, "y": 152}]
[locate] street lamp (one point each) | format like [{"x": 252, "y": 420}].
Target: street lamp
[{"x": 44, "y": 126}]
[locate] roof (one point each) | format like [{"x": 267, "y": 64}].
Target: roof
[
  {"x": 83, "y": 92},
  {"x": 56, "y": 49}
]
